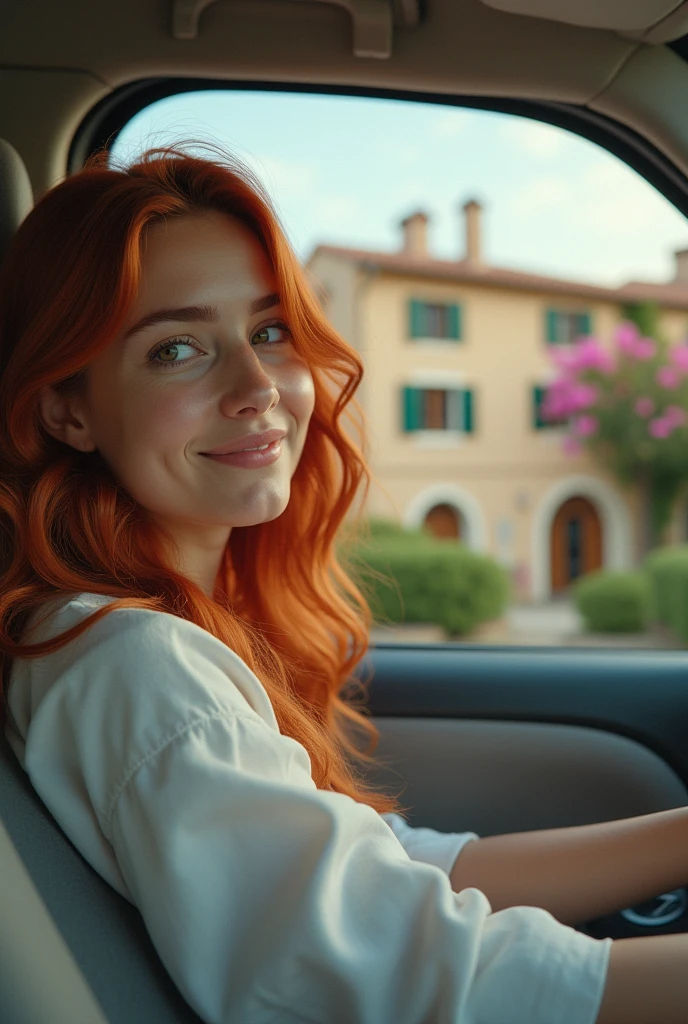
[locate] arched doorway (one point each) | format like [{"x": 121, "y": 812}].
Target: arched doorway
[
  {"x": 576, "y": 542},
  {"x": 443, "y": 522}
]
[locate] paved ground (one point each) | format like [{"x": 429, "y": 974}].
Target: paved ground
[{"x": 555, "y": 624}]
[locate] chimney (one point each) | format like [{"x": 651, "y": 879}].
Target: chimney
[
  {"x": 415, "y": 228},
  {"x": 681, "y": 266},
  {"x": 472, "y": 211}
]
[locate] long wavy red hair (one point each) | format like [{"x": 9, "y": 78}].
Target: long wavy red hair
[{"x": 282, "y": 601}]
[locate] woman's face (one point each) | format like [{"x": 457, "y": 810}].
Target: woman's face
[{"x": 169, "y": 389}]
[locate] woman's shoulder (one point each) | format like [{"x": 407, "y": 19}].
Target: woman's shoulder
[{"x": 141, "y": 659}]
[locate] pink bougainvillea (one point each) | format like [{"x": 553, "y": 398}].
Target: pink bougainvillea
[
  {"x": 586, "y": 354},
  {"x": 595, "y": 384},
  {"x": 626, "y": 404},
  {"x": 630, "y": 343},
  {"x": 585, "y": 426},
  {"x": 644, "y": 407},
  {"x": 679, "y": 357},
  {"x": 627, "y": 335},
  {"x": 660, "y": 427},
  {"x": 566, "y": 396},
  {"x": 572, "y": 445},
  {"x": 675, "y": 414},
  {"x": 645, "y": 348},
  {"x": 668, "y": 377}
]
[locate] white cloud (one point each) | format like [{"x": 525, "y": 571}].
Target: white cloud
[
  {"x": 534, "y": 137},
  {"x": 337, "y": 211},
  {"x": 613, "y": 198},
  {"x": 448, "y": 123},
  {"x": 284, "y": 179},
  {"x": 541, "y": 193},
  {"x": 407, "y": 153}
]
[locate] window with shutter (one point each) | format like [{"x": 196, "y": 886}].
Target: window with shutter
[
  {"x": 434, "y": 320},
  {"x": 438, "y": 409},
  {"x": 551, "y": 326},
  {"x": 412, "y": 408},
  {"x": 416, "y": 319},
  {"x": 538, "y": 398},
  {"x": 468, "y": 411},
  {"x": 539, "y": 422},
  {"x": 563, "y": 327},
  {"x": 584, "y": 324}
]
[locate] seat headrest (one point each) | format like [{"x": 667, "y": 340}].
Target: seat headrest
[{"x": 16, "y": 194}]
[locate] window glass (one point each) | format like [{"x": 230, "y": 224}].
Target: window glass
[{"x": 519, "y": 298}]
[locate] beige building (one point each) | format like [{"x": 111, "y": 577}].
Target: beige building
[{"x": 456, "y": 355}]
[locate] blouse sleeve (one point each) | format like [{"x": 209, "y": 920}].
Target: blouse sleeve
[
  {"x": 428, "y": 845},
  {"x": 267, "y": 899}
]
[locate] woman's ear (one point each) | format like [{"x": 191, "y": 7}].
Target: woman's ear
[{"x": 63, "y": 420}]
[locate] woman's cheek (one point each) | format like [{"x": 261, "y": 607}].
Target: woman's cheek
[{"x": 302, "y": 394}]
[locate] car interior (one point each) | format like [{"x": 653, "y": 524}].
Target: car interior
[{"x": 492, "y": 740}]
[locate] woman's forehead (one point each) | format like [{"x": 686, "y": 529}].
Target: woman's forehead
[{"x": 203, "y": 247}]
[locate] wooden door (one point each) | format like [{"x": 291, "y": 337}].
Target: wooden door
[
  {"x": 443, "y": 521},
  {"x": 576, "y": 542}
]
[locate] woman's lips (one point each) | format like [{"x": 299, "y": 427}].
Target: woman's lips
[{"x": 250, "y": 459}]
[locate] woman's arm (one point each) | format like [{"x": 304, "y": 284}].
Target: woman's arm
[
  {"x": 647, "y": 982},
  {"x": 583, "y": 872}
]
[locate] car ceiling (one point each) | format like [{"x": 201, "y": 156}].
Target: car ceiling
[{"x": 58, "y": 60}]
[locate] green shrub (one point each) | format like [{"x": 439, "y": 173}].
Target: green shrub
[
  {"x": 667, "y": 572},
  {"x": 379, "y": 529},
  {"x": 614, "y": 602},
  {"x": 409, "y": 576}
]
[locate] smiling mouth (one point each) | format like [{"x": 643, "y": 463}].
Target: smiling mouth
[{"x": 250, "y": 458}]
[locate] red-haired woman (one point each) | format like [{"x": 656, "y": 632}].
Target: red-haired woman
[{"x": 176, "y": 631}]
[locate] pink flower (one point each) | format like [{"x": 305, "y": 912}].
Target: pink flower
[
  {"x": 585, "y": 426},
  {"x": 565, "y": 359},
  {"x": 627, "y": 335},
  {"x": 668, "y": 377},
  {"x": 572, "y": 445},
  {"x": 661, "y": 427},
  {"x": 645, "y": 348},
  {"x": 675, "y": 414},
  {"x": 679, "y": 357},
  {"x": 588, "y": 354},
  {"x": 583, "y": 395},
  {"x": 566, "y": 396},
  {"x": 644, "y": 407}
]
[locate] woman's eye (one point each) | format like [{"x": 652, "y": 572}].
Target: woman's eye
[
  {"x": 267, "y": 335},
  {"x": 166, "y": 354}
]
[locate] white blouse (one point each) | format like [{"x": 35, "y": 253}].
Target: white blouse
[{"x": 157, "y": 751}]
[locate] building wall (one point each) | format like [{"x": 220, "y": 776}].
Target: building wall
[{"x": 507, "y": 479}]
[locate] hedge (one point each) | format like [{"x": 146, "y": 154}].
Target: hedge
[
  {"x": 614, "y": 602},
  {"x": 667, "y": 572},
  {"x": 427, "y": 580}
]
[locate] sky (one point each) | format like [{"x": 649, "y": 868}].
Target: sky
[{"x": 347, "y": 170}]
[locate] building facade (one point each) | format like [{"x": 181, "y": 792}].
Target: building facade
[{"x": 457, "y": 355}]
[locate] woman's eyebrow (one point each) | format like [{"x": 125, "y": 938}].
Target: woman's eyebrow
[
  {"x": 185, "y": 314},
  {"x": 189, "y": 314},
  {"x": 258, "y": 305}
]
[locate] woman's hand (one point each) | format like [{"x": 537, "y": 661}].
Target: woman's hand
[{"x": 583, "y": 872}]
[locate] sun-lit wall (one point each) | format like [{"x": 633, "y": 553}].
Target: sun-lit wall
[{"x": 506, "y": 479}]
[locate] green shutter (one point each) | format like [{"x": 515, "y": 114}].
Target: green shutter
[
  {"x": 416, "y": 319},
  {"x": 538, "y": 397},
  {"x": 454, "y": 401},
  {"x": 413, "y": 408},
  {"x": 468, "y": 411},
  {"x": 454, "y": 322},
  {"x": 584, "y": 324},
  {"x": 551, "y": 326}
]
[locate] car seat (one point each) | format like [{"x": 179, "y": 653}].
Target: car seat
[{"x": 72, "y": 950}]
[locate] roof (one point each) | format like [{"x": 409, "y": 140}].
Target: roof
[{"x": 674, "y": 294}]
